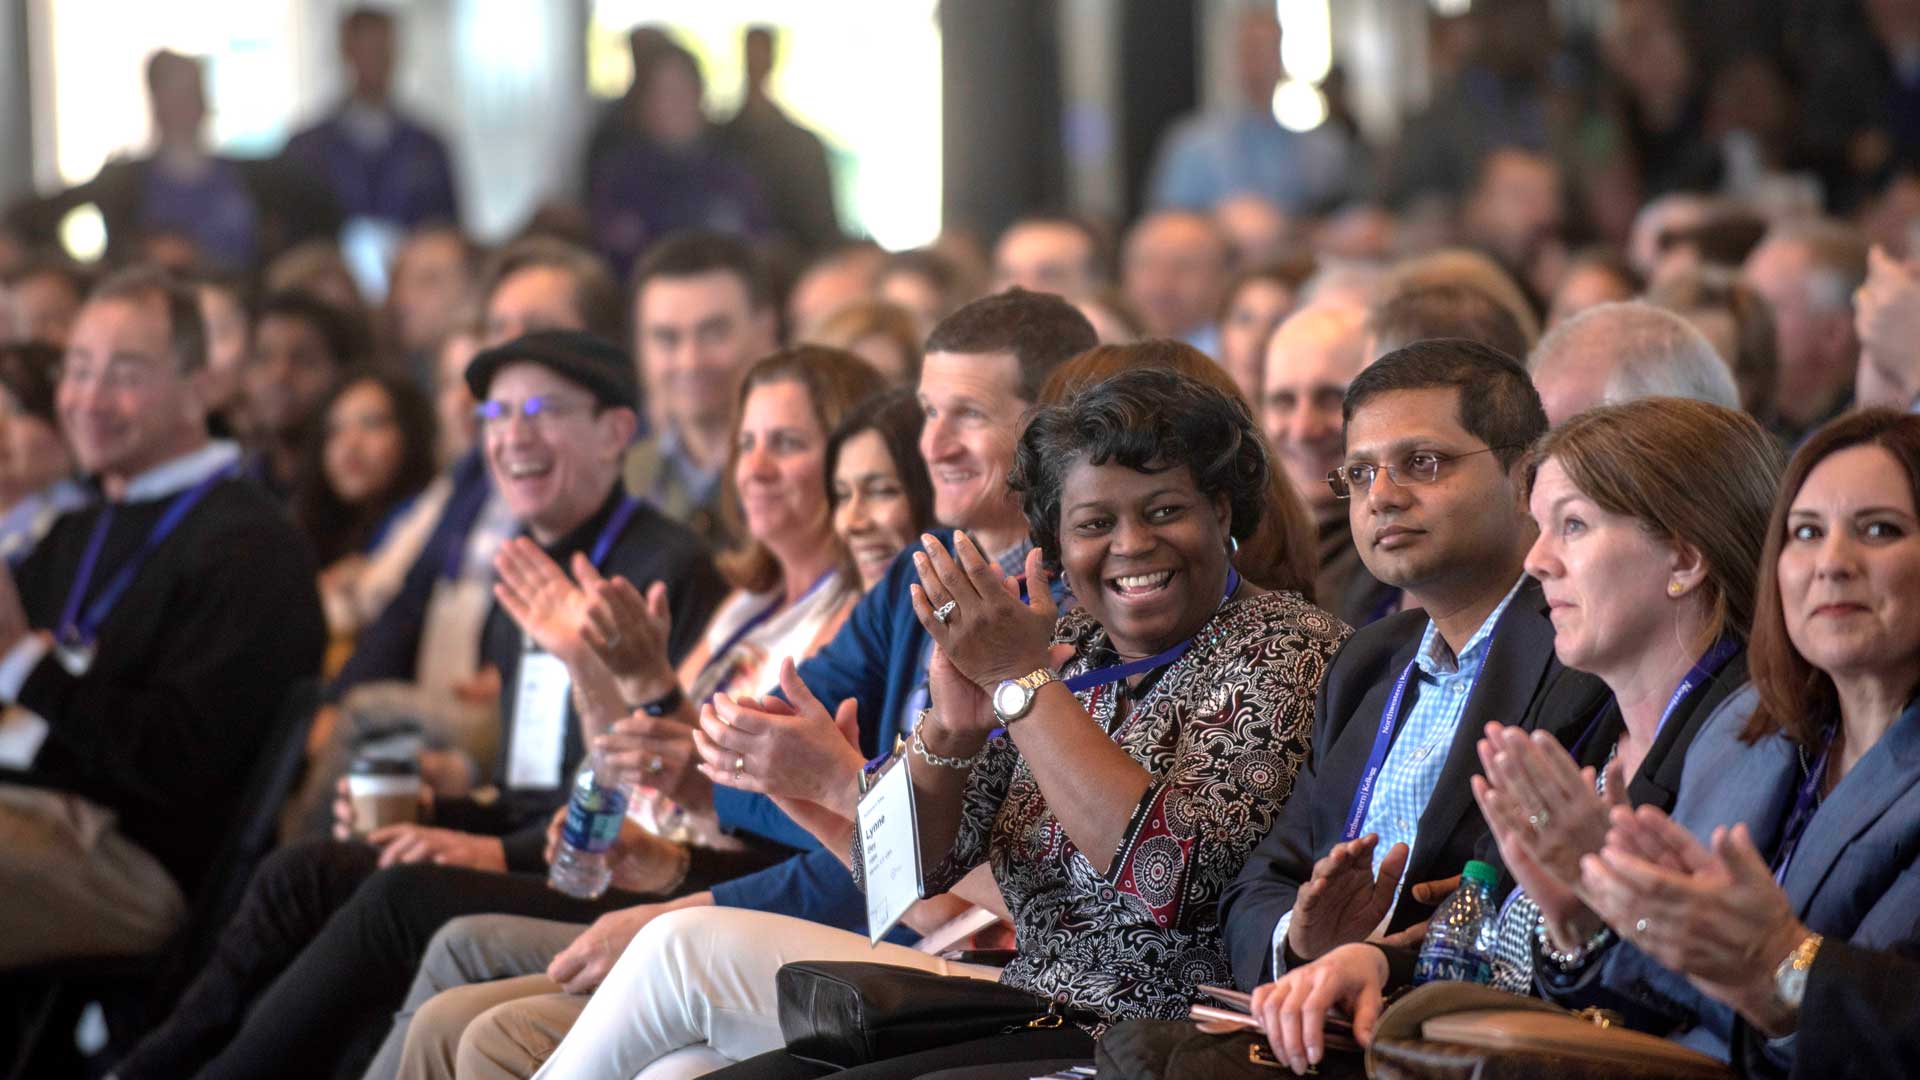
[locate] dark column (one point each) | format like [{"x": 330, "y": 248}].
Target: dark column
[
  {"x": 1000, "y": 111},
  {"x": 1159, "y": 82}
]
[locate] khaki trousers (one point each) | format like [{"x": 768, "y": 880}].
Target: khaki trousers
[{"x": 72, "y": 886}]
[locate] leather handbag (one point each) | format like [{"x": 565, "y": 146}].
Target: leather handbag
[
  {"x": 1448, "y": 1030},
  {"x": 847, "y": 1013}
]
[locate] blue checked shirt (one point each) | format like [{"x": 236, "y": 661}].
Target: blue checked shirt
[{"x": 1420, "y": 744}]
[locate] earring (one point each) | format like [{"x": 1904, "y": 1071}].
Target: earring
[
  {"x": 1233, "y": 544},
  {"x": 1674, "y": 588}
]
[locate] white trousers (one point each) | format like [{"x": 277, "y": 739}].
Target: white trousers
[{"x": 701, "y": 977}]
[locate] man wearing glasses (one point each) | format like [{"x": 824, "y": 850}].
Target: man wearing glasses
[
  {"x": 556, "y": 415},
  {"x": 1435, "y": 489},
  {"x": 152, "y": 637}
]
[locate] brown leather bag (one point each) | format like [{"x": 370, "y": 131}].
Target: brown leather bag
[{"x": 1457, "y": 1031}]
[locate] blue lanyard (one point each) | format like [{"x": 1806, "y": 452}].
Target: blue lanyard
[
  {"x": 1805, "y": 803},
  {"x": 609, "y": 533},
  {"x": 1705, "y": 668},
  {"x": 615, "y": 525},
  {"x": 1090, "y": 679},
  {"x": 1377, "y": 757},
  {"x": 1106, "y": 676},
  {"x": 79, "y": 629},
  {"x": 719, "y": 655}
]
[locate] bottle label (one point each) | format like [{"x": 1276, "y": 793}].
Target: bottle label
[
  {"x": 1446, "y": 962},
  {"x": 593, "y": 819}
]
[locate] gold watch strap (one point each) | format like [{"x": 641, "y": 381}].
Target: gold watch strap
[{"x": 1036, "y": 679}]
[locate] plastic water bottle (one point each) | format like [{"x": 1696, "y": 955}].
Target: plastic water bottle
[
  {"x": 594, "y": 813},
  {"x": 1459, "y": 942}
]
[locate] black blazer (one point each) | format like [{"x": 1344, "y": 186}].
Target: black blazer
[
  {"x": 1522, "y": 683},
  {"x": 1657, "y": 782},
  {"x": 1860, "y": 1018}
]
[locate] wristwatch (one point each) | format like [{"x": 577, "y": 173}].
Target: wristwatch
[
  {"x": 1013, "y": 698},
  {"x": 1790, "y": 978},
  {"x": 666, "y": 704}
]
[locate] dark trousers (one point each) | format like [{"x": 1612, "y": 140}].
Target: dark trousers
[
  {"x": 1022, "y": 1048},
  {"x": 307, "y": 976}
]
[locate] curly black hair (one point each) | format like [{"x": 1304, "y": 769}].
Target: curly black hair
[{"x": 1150, "y": 420}]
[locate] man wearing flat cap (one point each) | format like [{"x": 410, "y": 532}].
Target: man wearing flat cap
[{"x": 556, "y": 415}]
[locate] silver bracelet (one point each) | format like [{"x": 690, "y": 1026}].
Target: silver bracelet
[
  {"x": 1572, "y": 959},
  {"x": 931, "y": 758}
]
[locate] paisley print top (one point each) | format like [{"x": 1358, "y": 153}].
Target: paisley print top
[{"x": 1222, "y": 732}]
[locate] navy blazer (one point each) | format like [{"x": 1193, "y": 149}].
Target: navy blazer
[
  {"x": 1522, "y": 683},
  {"x": 1853, "y": 877}
]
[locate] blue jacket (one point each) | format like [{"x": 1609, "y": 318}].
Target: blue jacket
[
  {"x": 408, "y": 181},
  {"x": 1852, "y": 878},
  {"x": 878, "y": 659}
]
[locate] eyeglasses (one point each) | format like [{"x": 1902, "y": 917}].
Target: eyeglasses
[
  {"x": 539, "y": 410},
  {"x": 1420, "y": 467}
]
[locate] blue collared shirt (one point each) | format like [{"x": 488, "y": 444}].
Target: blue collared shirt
[{"x": 1420, "y": 744}]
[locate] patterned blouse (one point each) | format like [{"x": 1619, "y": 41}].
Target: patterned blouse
[{"x": 1222, "y": 733}]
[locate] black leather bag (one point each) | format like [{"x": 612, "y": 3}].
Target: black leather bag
[{"x": 847, "y": 1013}]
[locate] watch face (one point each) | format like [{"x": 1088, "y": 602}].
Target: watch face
[{"x": 1009, "y": 699}]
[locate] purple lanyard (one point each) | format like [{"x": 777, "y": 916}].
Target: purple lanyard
[
  {"x": 1377, "y": 757},
  {"x": 1088, "y": 680},
  {"x": 603, "y": 543},
  {"x": 1705, "y": 668},
  {"x": 720, "y": 654},
  {"x": 1805, "y": 804},
  {"x": 80, "y": 628},
  {"x": 616, "y": 525}
]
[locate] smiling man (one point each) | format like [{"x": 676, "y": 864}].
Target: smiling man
[
  {"x": 1434, "y": 481},
  {"x": 304, "y": 951},
  {"x": 153, "y": 637}
]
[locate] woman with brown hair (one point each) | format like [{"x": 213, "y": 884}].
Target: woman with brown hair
[
  {"x": 1800, "y": 814},
  {"x": 1651, "y": 517}
]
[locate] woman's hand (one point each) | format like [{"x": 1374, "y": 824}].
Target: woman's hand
[
  {"x": 628, "y": 632},
  {"x": 1293, "y": 1010},
  {"x": 988, "y": 634},
  {"x": 657, "y": 752},
  {"x": 545, "y": 604},
  {"x": 802, "y": 753},
  {"x": 1722, "y": 921},
  {"x": 962, "y": 712},
  {"x": 1544, "y": 813}
]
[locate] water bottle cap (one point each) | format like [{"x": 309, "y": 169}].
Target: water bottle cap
[{"x": 1483, "y": 873}]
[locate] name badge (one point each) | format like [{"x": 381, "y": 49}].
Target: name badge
[
  {"x": 889, "y": 848},
  {"x": 21, "y": 733},
  {"x": 539, "y": 721}
]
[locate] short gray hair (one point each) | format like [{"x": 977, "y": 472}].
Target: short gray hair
[{"x": 1652, "y": 353}]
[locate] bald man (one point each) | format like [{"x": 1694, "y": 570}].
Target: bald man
[
  {"x": 1623, "y": 351},
  {"x": 1311, "y": 358},
  {"x": 1174, "y": 272}
]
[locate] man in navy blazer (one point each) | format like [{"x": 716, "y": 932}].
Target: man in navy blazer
[{"x": 1435, "y": 480}]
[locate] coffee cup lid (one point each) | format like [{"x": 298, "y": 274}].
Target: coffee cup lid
[{"x": 370, "y": 765}]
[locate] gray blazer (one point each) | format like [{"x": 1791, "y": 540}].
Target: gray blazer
[{"x": 1853, "y": 878}]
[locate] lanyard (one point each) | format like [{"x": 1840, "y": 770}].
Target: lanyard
[
  {"x": 719, "y": 655},
  {"x": 79, "y": 628},
  {"x": 1106, "y": 676},
  {"x": 1090, "y": 680},
  {"x": 609, "y": 533},
  {"x": 1707, "y": 666},
  {"x": 1804, "y": 806},
  {"x": 616, "y": 525},
  {"x": 1377, "y": 757}
]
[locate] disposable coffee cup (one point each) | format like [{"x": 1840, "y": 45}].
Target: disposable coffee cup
[{"x": 383, "y": 791}]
